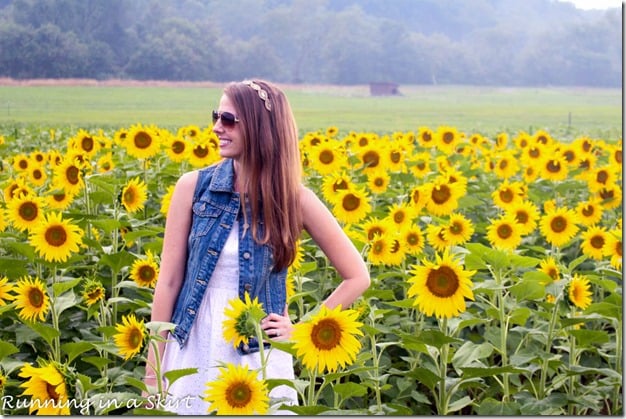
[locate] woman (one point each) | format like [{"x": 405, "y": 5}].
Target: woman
[{"x": 233, "y": 228}]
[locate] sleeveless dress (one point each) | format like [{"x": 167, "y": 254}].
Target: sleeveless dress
[{"x": 206, "y": 348}]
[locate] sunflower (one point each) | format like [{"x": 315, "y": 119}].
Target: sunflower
[
  {"x": 504, "y": 233},
  {"x": 593, "y": 241},
  {"x": 459, "y": 230},
  {"x": 553, "y": 167},
  {"x": 373, "y": 157},
  {"x": 613, "y": 247},
  {"x": 589, "y": 212},
  {"x": 420, "y": 164},
  {"x": 379, "y": 249},
  {"x": 47, "y": 388},
  {"x": 177, "y": 148},
  {"x": 134, "y": 195},
  {"x": 55, "y": 239},
  {"x": 145, "y": 272},
  {"x": 166, "y": 200},
  {"x": 447, "y": 138},
  {"x": 440, "y": 287},
  {"x": 93, "y": 291},
  {"x": 237, "y": 391},
  {"x": 129, "y": 337},
  {"x": 426, "y": 137},
  {"x": 558, "y": 226},
  {"x": 507, "y": 165},
  {"x": 105, "y": 163},
  {"x": 241, "y": 317},
  {"x": 437, "y": 237},
  {"x": 400, "y": 215},
  {"x": 442, "y": 198},
  {"x": 59, "y": 199},
  {"x": 352, "y": 206},
  {"x": 328, "y": 340},
  {"x": 84, "y": 143},
  {"x": 142, "y": 142},
  {"x": 610, "y": 196},
  {"x": 25, "y": 212},
  {"x": 526, "y": 215},
  {"x": 551, "y": 268},
  {"x": 508, "y": 194},
  {"x": 327, "y": 157},
  {"x": 202, "y": 153},
  {"x": 378, "y": 181},
  {"x": 31, "y": 299},
  {"x": 373, "y": 226},
  {"x": 395, "y": 158},
  {"x": 334, "y": 184},
  {"x": 5, "y": 291},
  {"x": 600, "y": 178},
  {"x": 37, "y": 175},
  {"x": 68, "y": 175},
  {"x": 417, "y": 198},
  {"x": 413, "y": 240},
  {"x": 579, "y": 291}
]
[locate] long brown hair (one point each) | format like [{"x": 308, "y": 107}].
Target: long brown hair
[{"x": 270, "y": 163}]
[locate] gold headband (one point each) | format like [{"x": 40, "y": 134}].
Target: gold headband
[{"x": 262, "y": 93}]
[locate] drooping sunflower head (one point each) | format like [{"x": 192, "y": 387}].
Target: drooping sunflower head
[
  {"x": 47, "y": 387},
  {"x": 440, "y": 287},
  {"x": 31, "y": 299},
  {"x": 550, "y": 267},
  {"x": 328, "y": 340},
  {"x": 93, "y": 291},
  {"x": 241, "y": 317},
  {"x": 579, "y": 291},
  {"x": 237, "y": 391},
  {"x": 56, "y": 239},
  {"x": 130, "y": 336},
  {"x": 134, "y": 195},
  {"x": 145, "y": 272}
]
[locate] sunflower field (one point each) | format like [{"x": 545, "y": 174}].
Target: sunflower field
[{"x": 495, "y": 263}]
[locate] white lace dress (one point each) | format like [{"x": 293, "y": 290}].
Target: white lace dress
[{"x": 206, "y": 347}]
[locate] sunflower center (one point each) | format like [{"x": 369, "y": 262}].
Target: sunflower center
[
  {"x": 238, "y": 395},
  {"x": 522, "y": 217},
  {"x": 326, "y": 157},
  {"x": 506, "y": 195},
  {"x": 129, "y": 196},
  {"x": 56, "y": 235},
  {"x": 142, "y": 140},
  {"x": 52, "y": 392},
  {"x": 442, "y": 282},
  {"x": 504, "y": 231},
  {"x": 441, "y": 194},
  {"x": 607, "y": 194},
  {"x": 379, "y": 182},
  {"x": 72, "y": 175},
  {"x": 23, "y": 164},
  {"x": 178, "y": 147},
  {"x": 558, "y": 224},
  {"x": 503, "y": 164},
  {"x": 569, "y": 156},
  {"x": 618, "y": 156},
  {"x": 554, "y": 274},
  {"x": 534, "y": 152},
  {"x": 456, "y": 228},
  {"x": 597, "y": 242},
  {"x": 135, "y": 338},
  {"x": 28, "y": 211},
  {"x": 59, "y": 197},
  {"x": 395, "y": 157},
  {"x": 413, "y": 239},
  {"x": 399, "y": 217},
  {"x": 426, "y": 137},
  {"x": 37, "y": 174},
  {"x": 373, "y": 231},
  {"x": 602, "y": 177},
  {"x": 351, "y": 202},
  {"x": 201, "y": 151},
  {"x": 146, "y": 273},
  {"x": 378, "y": 247},
  {"x": 87, "y": 144},
  {"x": 588, "y": 211},
  {"x": 421, "y": 165},
  {"x": 395, "y": 246},
  {"x": 447, "y": 137},
  {"x": 35, "y": 297},
  {"x": 371, "y": 159},
  {"x": 326, "y": 334},
  {"x": 553, "y": 166}
]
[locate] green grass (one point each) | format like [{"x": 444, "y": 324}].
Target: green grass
[{"x": 561, "y": 111}]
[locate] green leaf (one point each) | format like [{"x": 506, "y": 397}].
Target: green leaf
[
  {"x": 13, "y": 267},
  {"x": 491, "y": 407},
  {"x": 472, "y": 372},
  {"x": 528, "y": 290},
  {"x": 520, "y": 315},
  {"x": 471, "y": 352},
  {"x": 586, "y": 337},
  {"x": 436, "y": 338},
  {"x": 97, "y": 361},
  {"x": 117, "y": 261},
  {"x": 6, "y": 349},
  {"x": 426, "y": 377},
  {"x": 73, "y": 349},
  {"x": 64, "y": 302},
  {"x": 459, "y": 404},
  {"x": 350, "y": 389},
  {"x": 307, "y": 410},
  {"x": 606, "y": 309},
  {"x": 174, "y": 375},
  {"x": 47, "y": 332},
  {"x": 63, "y": 286}
]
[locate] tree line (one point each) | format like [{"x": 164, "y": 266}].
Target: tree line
[{"x": 479, "y": 42}]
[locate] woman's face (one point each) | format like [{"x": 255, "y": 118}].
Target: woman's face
[{"x": 231, "y": 141}]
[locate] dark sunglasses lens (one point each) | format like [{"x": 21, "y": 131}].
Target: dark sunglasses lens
[
  {"x": 228, "y": 119},
  {"x": 216, "y": 116}
]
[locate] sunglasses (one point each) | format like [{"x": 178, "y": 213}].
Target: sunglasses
[{"x": 228, "y": 119}]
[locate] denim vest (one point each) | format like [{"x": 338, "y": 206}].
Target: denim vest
[{"x": 216, "y": 207}]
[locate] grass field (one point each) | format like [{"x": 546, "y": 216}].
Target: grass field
[{"x": 562, "y": 111}]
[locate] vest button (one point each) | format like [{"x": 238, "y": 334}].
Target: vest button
[
  {"x": 246, "y": 255},
  {"x": 247, "y": 287}
]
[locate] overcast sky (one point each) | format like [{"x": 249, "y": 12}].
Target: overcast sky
[{"x": 595, "y": 4}]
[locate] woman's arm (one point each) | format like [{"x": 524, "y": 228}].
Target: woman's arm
[
  {"x": 324, "y": 229},
  {"x": 173, "y": 260}
]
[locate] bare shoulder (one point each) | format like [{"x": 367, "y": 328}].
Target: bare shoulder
[{"x": 184, "y": 190}]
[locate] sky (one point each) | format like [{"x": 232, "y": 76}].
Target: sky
[{"x": 594, "y": 4}]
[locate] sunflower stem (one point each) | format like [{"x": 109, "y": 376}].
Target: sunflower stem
[
  {"x": 311, "y": 389},
  {"x": 442, "y": 401},
  {"x": 259, "y": 335},
  {"x": 56, "y": 342},
  {"x": 571, "y": 407},
  {"x": 504, "y": 326},
  {"x": 544, "y": 367}
]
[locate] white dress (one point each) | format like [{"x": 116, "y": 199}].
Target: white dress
[{"x": 206, "y": 348}]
